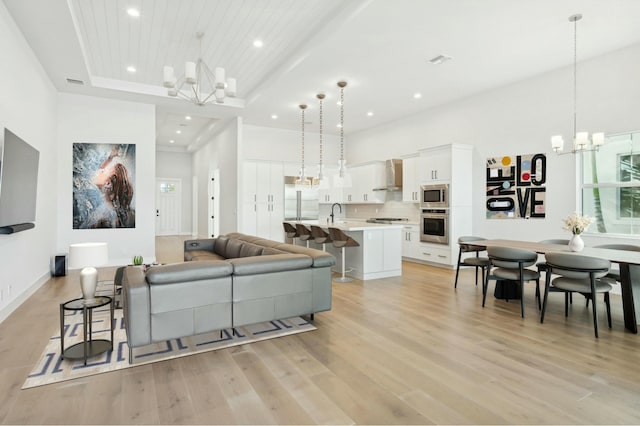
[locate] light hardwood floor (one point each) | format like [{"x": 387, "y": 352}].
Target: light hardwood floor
[{"x": 405, "y": 350}]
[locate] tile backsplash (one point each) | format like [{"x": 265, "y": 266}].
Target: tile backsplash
[{"x": 393, "y": 207}]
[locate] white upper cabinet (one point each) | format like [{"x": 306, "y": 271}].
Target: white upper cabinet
[
  {"x": 364, "y": 179},
  {"x": 330, "y": 194},
  {"x": 410, "y": 180},
  {"x": 435, "y": 164}
]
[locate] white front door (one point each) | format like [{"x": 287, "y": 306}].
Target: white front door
[{"x": 168, "y": 206}]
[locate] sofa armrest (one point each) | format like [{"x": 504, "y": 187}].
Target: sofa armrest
[
  {"x": 270, "y": 263},
  {"x": 136, "y": 307},
  {"x": 190, "y": 271}
]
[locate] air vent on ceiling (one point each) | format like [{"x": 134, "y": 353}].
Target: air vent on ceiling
[
  {"x": 74, "y": 81},
  {"x": 440, "y": 59}
]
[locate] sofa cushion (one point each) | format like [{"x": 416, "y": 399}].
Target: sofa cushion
[
  {"x": 220, "y": 248},
  {"x": 201, "y": 255},
  {"x": 249, "y": 249},
  {"x": 233, "y": 248},
  {"x": 269, "y": 250},
  {"x": 270, "y": 263},
  {"x": 320, "y": 258},
  {"x": 192, "y": 271}
]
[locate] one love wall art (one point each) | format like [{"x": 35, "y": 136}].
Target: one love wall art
[{"x": 516, "y": 187}]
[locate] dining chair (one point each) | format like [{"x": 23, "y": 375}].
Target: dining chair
[
  {"x": 511, "y": 264},
  {"x": 466, "y": 246},
  {"x": 578, "y": 273},
  {"x": 542, "y": 266}
]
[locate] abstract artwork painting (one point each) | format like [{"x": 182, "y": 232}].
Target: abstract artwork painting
[
  {"x": 516, "y": 187},
  {"x": 103, "y": 185}
]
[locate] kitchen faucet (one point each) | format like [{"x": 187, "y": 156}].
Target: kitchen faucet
[{"x": 332, "y": 206}]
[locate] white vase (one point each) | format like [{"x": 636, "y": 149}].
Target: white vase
[{"x": 576, "y": 243}]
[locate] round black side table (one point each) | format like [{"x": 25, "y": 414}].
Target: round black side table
[{"x": 88, "y": 347}]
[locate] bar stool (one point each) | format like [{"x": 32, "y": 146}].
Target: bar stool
[
  {"x": 290, "y": 231},
  {"x": 304, "y": 233},
  {"x": 320, "y": 236},
  {"x": 341, "y": 240}
]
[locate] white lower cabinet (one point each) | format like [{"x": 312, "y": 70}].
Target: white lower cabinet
[
  {"x": 434, "y": 253},
  {"x": 410, "y": 241}
]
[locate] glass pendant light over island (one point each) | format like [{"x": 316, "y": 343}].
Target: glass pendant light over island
[{"x": 343, "y": 178}]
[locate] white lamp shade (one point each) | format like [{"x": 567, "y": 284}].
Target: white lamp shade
[
  {"x": 169, "y": 78},
  {"x": 582, "y": 139},
  {"x": 173, "y": 92},
  {"x": 231, "y": 86},
  {"x": 220, "y": 96},
  {"x": 598, "y": 139},
  {"x": 88, "y": 254},
  {"x": 190, "y": 72},
  {"x": 219, "y": 73},
  {"x": 557, "y": 143}
]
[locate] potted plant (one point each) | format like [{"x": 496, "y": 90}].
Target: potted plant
[{"x": 137, "y": 260}]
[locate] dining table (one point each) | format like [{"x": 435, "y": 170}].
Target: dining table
[{"x": 628, "y": 261}]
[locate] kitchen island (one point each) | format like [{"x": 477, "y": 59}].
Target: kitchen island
[{"x": 379, "y": 254}]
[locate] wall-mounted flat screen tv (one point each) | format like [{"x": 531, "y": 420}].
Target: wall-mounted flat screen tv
[{"x": 18, "y": 183}]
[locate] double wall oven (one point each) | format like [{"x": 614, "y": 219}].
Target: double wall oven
[{"x": 434, "y": 220}]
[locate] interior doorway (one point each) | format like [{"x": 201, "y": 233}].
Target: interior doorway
[{"x": 168, "y": 206}]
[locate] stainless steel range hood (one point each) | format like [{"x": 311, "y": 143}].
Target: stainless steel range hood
[{"x": 393, "y": 176}]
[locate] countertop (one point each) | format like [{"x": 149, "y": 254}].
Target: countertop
[{"x": 347, "y": 224}]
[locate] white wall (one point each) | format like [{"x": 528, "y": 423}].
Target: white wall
[
  {"x": 267, "y": 143},
  {"x": 520, "y": 119},
  {"x": 178, "y": 165},
  {"x": 28, "y": 110},
  {"x": 220, "y": 153},
  {"x": 86, "y": 119}
]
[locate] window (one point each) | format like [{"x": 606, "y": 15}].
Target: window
[
  {"x": 167, "y": 187},
  {"x": 611, "y": 185}
]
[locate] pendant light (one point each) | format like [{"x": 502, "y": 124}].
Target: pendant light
[
  {"x": 343, "y": 179},
  {"x": 580, "y": 139},
  {"x": 322, "y": 180},
  {"x": 302, "y": 175}
]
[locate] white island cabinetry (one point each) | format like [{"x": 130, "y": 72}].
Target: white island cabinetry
[{"x": 377, "y": 256}]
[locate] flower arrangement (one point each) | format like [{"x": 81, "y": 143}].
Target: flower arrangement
[{"x": 577, "y": 223}]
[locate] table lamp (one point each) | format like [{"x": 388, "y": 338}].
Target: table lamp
[{"x": 87, "y": 256}]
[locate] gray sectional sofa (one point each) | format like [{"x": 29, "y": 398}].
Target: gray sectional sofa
[{"x": 225, "y": 282}]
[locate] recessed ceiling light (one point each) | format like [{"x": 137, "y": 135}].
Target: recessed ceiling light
[
  {"x": 178, "y": 131},
  {"x": 274, "y": 117},
  {"x": 133, "y": 12},
  {"x": 172, "y": 141},
  {"x": 131, "y": 69},
  {"x": 187, "y": 117},
  {"x": 417, "y": 95},
  {"x": 370, "y": 114},
  {"x": 440, "y": 59},
  {"x": 258, "y": 43}
]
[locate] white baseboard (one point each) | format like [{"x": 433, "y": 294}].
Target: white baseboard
[{"x": 22, "y": 297}]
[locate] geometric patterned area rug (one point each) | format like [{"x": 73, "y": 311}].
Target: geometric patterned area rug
[{"x": 52, "y": 369}]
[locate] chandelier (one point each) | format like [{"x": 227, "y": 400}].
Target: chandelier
[
  {"x": 199, "y": 84},
  {"x": 343, "y": 179},
  {"x": 581, "y": 142}
]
